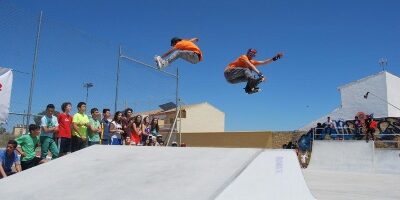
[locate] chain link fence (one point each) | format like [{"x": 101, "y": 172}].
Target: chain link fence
[{"x": 69, "y": 58}]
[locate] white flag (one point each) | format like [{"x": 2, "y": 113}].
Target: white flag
[{"x": 6, "y": 78}]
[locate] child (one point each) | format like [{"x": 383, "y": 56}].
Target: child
[{"x": 29, "y": 143}]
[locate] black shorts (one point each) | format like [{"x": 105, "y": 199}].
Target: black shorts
[
  {"x": 64, "y": 145},
  {"x": 30, "y": 163}
]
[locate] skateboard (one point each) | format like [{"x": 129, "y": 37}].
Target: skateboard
[{"x": 252, "y": 86}]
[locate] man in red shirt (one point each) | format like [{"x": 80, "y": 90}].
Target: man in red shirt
[
  {"x": 241, "y": 70},
  {"x": 181, "y": 48},
  {"x": 64, "y": 129}
]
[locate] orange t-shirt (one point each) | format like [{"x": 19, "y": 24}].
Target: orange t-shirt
[
  {"x": 190, "y": 46},
  {"x": 241, "y": 62}
]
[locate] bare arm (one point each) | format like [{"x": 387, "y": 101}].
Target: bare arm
[
  {"x": 270, "y": 60},
  {"x": 75, "y": 126},
  {"x": 252, "y": 67},
  {"x": 92, "y": 128},
  {"x": 19, "y": 150},
  {"x": 114, "y": 130},
  {"x": 18, "y": 167},
  {"x": 49, "y": 130},
  {"x": 137, "y": 129},
  {"x": 2, "y": 172},
  {"x": 194, "y": 39}
]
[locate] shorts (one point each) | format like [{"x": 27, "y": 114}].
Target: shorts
[
  {"x": 30, "y": 163},
  {"x": 64, "y": 145}
]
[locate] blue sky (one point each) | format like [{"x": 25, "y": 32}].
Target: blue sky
[{"x": 326, "y": 44}]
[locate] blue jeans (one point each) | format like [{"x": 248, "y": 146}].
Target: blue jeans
[{"x": 238, "y": 75}]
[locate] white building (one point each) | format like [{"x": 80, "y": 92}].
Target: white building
[
  {"x": 202, "y": 117},
  {"x": 383, "y": 99}
]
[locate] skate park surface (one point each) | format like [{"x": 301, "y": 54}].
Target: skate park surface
[
  {"x": 126, "y": 172},
  {"x": 353, "y": 170}
]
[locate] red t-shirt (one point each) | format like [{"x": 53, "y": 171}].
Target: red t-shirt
[
  {"x": 64, "y": 125},
  {"x": 373, "y": 124}
]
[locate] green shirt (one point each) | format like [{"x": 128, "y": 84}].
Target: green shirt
[
  {"x": 28, "y": 145},
  {"x": 80, "y": 120},
  {"x": 94, "y": 136}
]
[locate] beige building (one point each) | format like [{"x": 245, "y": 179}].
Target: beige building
[{"x": 202, "y": 117}]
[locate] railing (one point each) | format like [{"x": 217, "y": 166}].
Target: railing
[{"x": 345, "y": 133}]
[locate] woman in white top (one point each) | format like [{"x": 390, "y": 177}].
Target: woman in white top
[{"x": 116, "y": 129}]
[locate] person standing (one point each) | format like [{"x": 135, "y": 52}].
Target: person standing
[
  {"x": 64, "y": 129},
  {"x": 80, "y": 124},
  {"x": 94, "y": 129},
  {"x": 116, "y": 129},
  {"x": 105, "y": 125},
  {"x": 49, "y": 127}
]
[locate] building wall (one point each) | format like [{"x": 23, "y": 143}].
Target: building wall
[
  {"x": 203, "y": 118},
  {"x": 384, "y": 87},
  {"x": 353, "y": 100},
  {"x": 393, "y": 93},
  {"x": 239, "y": 139}
]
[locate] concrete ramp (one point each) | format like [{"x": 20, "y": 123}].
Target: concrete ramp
[
  {"x": 125, "y": 172},
  {"x": 353, "y": 156},
  {"x": 272, "y": 175}
]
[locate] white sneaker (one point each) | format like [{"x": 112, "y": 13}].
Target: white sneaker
[{"x": 160, "y": 62}]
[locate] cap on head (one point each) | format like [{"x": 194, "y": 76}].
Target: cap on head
[
  {"x": 174, "y": 40},
  {"x": 252, "y": 51}
]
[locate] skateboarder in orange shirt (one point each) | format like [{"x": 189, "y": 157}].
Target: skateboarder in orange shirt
[{"x": 241, "y": 70}]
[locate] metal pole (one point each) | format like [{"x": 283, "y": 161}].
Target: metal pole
[
  {"x": 34, "y": 69},
  {"x": 87, "y": 94},
  {"x": 178, "y": 106},
  {"x": 147, "y": 65},
  {"x": 117, "y": 82}
]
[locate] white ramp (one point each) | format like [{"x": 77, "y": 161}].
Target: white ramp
[
  {"x": 272, "y": 175},
  {"x": 353, "y": 156},
  {"x": 387, "y": 161},
  {"x": 125, "y": 172}
]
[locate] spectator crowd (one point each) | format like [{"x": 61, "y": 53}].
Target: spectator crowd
[{"x": 68, "y": 133}]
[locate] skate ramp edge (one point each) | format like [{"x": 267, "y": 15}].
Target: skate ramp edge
[
  {"x": 353, "y": 156},
  {"x": 274, "y": 174}
]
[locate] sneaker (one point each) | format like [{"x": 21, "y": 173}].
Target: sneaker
[{"x": 160, "y": 62}]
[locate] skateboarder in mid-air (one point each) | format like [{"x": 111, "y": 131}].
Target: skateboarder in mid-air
[
  {"x": 241, "y": 70},
  {"x": 181, "y": 48}
]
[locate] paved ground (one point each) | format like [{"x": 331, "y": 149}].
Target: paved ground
[{"x": 353, "y": 170}]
